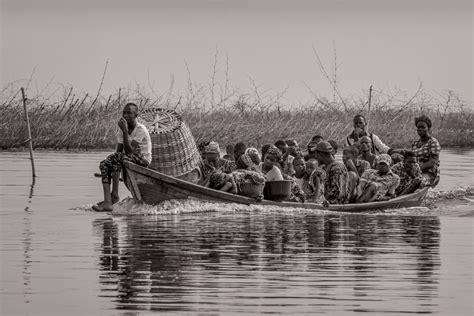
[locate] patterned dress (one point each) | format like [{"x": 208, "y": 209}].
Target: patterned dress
[
  {"x": 309, "y": 187},
  {"x": 221, "y": 165},
  {"x": 384, "y": 184},
  {"x": 405, "y": 178},
  {"x": 297, "y": 193},
  {"x": 361, "y": 166},
  {"x": 336, "y": 186},
  {"x": 425, "y": 151}
]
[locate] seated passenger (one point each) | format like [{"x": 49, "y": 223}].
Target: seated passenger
[
  {"x": 286, "y": 159},
  {"x": 410, "y": 174},
  {"x": 134, "y": 145},
  {"x": 239, "y": 150},
  {"x": 212, "y": 162},
  {"x": 271, "y": 164},
  {"x": 334, "y": 146},
  {"x": 356, "y": 167},
  {"x": 365, "y": 145},
  {"x": 271, "y": 169},
  {"x": 360, "y": 130},
  {"x": 378, "y": 185},
  {"x": 336, "y": 186},
  {"x": 310, "y": 178},
  {"x": 229, "y": 152},
  {"x": 248, "y": 166},
  {"x": 427, "y": 150},
  {"x": 288, "y": 168}
]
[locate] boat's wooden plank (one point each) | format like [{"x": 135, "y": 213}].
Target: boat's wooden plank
[{"x": 154, "y": 187}]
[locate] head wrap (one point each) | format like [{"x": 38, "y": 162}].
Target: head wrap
[
  {"x": 384, "y": 158},
  {"x": 423, "y": 118},
  {"x": 212, "y": 148},
  {"x": 217, "y": 180},
  {"x": 273, "y": 150},
  {"x": 295, "y": 151},
  {"x": 324, "y": 147},
  {"x": 251, "y": 158}
]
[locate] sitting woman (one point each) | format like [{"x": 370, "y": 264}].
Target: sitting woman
[
  {"x": 271, "y": 169},
  {"x": 378, "y": 185},
  {"x": 212, "y": 162},
  {"x": 247, "y": 172},
  {"x": 310, "y": 178},
  {"x": 271, "y": 164},
  {"x": 427, "y": 150},
  {"x": 409, "y": 172}
]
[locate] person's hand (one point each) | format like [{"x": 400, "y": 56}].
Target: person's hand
[
  {"x": 357, "y": 132},
  {"x": 122, "y": 123},
  {"x": 350, "y": 165}
]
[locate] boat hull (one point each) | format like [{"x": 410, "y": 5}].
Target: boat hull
[{"x": 152, "y": 187}]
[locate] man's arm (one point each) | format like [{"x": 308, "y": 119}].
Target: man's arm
[
  {"x": 381, "y": 147},
  {"x": 127, "y": 146}
]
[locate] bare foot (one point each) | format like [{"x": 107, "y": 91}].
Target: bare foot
[
  {"x": 115, "y": 198},
  {"x": 104, "y": 207}
]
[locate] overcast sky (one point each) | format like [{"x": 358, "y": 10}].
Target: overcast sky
[{"x": 387, "y": 43}]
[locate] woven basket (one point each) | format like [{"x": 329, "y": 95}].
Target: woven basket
[
  {"x": 253, "y": 190},
  {"x": 174, "y": 151}
]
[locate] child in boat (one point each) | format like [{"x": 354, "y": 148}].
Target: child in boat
[
  {"x": 365, "y": 145},
  {"x": 133, "y": 144},
  {"x": 229, "y": 152},
  {"x": 356, "y": 167},
  {"x": 239, "y": 150},
  {"x": 409, "y": 172},
  {"x": 310, "y": 178},
  {"x": 378, "y": 185},
  {"x": 334, "y": 146}
]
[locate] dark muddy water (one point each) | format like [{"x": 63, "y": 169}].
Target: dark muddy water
[{"x": 59, "y": 258}]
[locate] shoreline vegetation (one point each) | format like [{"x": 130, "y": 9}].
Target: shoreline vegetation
[{"x": 67, "y": 120}]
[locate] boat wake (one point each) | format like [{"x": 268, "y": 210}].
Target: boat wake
[{"x": 457, "y": 202}]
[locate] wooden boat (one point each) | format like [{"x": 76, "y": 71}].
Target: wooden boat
[{"x": 153, "y": 187}]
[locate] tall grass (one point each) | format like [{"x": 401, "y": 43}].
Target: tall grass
[{"x": 66, "y": 119}]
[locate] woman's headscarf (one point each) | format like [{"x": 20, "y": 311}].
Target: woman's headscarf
[
  {"x": 212, "y": 147},
  {"x": 273, "y": 150},
  {"x": 251, "y": 158}
]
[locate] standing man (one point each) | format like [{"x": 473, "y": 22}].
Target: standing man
[
  {"x": 133, "y": 144},
  {"x": 360, "y": 130}
]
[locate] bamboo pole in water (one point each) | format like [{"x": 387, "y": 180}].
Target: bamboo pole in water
[
  {"x": 368, "y": 112},
  {"x": 29, "y": 140}
]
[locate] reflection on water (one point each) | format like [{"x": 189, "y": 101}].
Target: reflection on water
[
  {"x": 58, "y": 259},
  {"x": 241, "y": 263}
]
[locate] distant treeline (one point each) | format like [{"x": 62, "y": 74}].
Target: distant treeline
[{"x": 72, "y": 121}]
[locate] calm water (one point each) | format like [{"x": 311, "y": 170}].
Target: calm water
[{"x": 58, "y": 258}]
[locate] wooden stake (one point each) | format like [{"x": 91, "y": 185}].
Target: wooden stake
[
  {"x": 368, "y": 113},
  {"x": 30, "y": 140}
]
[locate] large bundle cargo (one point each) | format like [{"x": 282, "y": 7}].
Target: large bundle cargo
[{"x": 174, "y": 150}]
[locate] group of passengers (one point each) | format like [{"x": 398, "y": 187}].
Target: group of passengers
[{"x": 369, "y": 170}]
